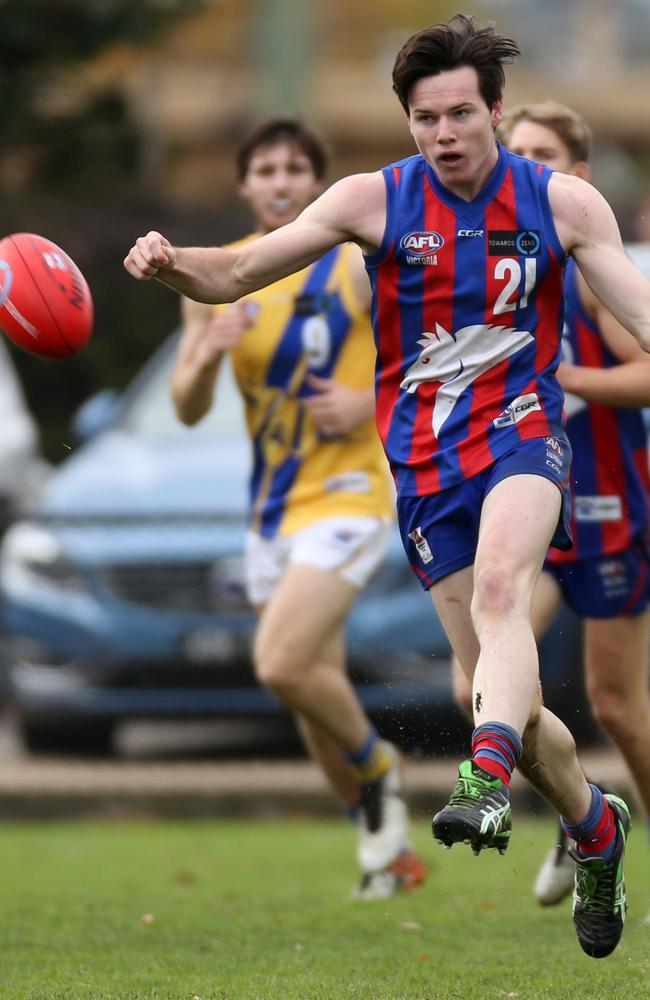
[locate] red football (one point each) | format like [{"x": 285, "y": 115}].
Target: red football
[{"x": 45, "y": 303}]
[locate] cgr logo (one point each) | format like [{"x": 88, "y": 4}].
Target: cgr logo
[
  {"x": 470, "y": 232},
  {"x": 517, "y": 410},
  {"x": 421, "y": 243}
]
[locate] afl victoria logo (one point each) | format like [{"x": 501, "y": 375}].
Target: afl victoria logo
[{"x": 421, "y": 243}]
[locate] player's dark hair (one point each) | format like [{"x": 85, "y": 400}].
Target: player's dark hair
[
  {"x": 459, "y": 42},
  {"x": 569, "y": 126},
  {"x": 289, "y": 130}
]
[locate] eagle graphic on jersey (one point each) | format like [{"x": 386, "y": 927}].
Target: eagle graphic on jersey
[{"x": 457, "y": 359}]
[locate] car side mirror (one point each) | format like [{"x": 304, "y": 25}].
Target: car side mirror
[{"x": 97, "y": 414}]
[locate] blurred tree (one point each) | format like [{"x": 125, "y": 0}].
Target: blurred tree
[
  {"x": 43, "y": 40},
  {"x": 68, "y": 154}
]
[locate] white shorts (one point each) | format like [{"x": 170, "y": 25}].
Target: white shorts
[{"x": 351, "y": 546}]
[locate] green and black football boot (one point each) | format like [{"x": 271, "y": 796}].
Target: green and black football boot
[
  {"x": 599, "y": 903},
  {"x": 478, "y": 812}
]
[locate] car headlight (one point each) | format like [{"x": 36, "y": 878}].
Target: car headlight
[{"x": 30, "y": 552}]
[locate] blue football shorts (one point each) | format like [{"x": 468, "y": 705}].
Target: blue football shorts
[
  {"x": 606, "y": 586},
  {"x": 440, "y": 531}
]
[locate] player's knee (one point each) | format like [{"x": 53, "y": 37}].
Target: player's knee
[
  {"x": 610, "y": 708},
  {"x": 276, "y": 670},
  {"x": 495, "y": 592},
  {"x": 275, "y": 677}
]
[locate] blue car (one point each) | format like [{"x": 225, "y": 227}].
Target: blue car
[{"x": 123, "y": 588}]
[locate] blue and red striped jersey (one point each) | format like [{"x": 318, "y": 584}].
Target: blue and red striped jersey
[
  {"x": 467, "y": 312},
  {"x": 610, "y": 484}
]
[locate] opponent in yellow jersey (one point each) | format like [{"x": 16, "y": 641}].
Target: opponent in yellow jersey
[
  {"x": 321, "y": 500},
  {"x": 304, "y": 329}
]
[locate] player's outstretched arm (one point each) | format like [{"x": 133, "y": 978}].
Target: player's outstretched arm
[
  {"x": 214, "y": 275},
  {"x": 588, "y": 230}
]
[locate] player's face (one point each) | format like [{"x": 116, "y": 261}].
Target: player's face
[
  {"x": 542, "y": 144},
  {"x": 454, "y": 128},
  {"x": 279, "y": 183}
]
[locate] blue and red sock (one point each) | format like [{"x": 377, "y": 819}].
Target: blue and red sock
[
  {"x": 496, "y": 748},
  {"x": 595, "y": 835}
]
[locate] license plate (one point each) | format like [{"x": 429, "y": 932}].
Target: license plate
[{"x": 211, "y": 645}]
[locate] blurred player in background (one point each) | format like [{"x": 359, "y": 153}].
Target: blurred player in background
[
  {"x": 21, "y": 468},
  {"x": 605, "y": 578},
  {"x": 321, "y": 500},
  {"x": 465, "y": 246}
]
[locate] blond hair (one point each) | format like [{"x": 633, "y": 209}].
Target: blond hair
[{"x": 567, "y": 124}]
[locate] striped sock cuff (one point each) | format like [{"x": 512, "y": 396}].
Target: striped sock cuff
[
  {"x": 496, "y": 748},
  {"x": 596, "y": 833}
]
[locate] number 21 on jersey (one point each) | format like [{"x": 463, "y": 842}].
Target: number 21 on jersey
[{"x": 509, "y": 269}]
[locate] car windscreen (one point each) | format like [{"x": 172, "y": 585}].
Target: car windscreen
[{"x": 149, "y": 411}]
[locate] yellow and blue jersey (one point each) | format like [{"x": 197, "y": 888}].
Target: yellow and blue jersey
[{"x": 308, "y": 323}]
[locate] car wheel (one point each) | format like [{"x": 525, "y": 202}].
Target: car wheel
[{"x": 93, "y": 738}]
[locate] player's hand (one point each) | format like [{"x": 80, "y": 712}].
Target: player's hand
[
  {"x": 569, "y": 377},
  {"x": 337, "y": 409},
  {"x": 225, "y": 329},
  {"x": 148, "y": 255}
]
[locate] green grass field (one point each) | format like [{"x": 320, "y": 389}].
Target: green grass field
[{"x": 261, "y": 909}]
